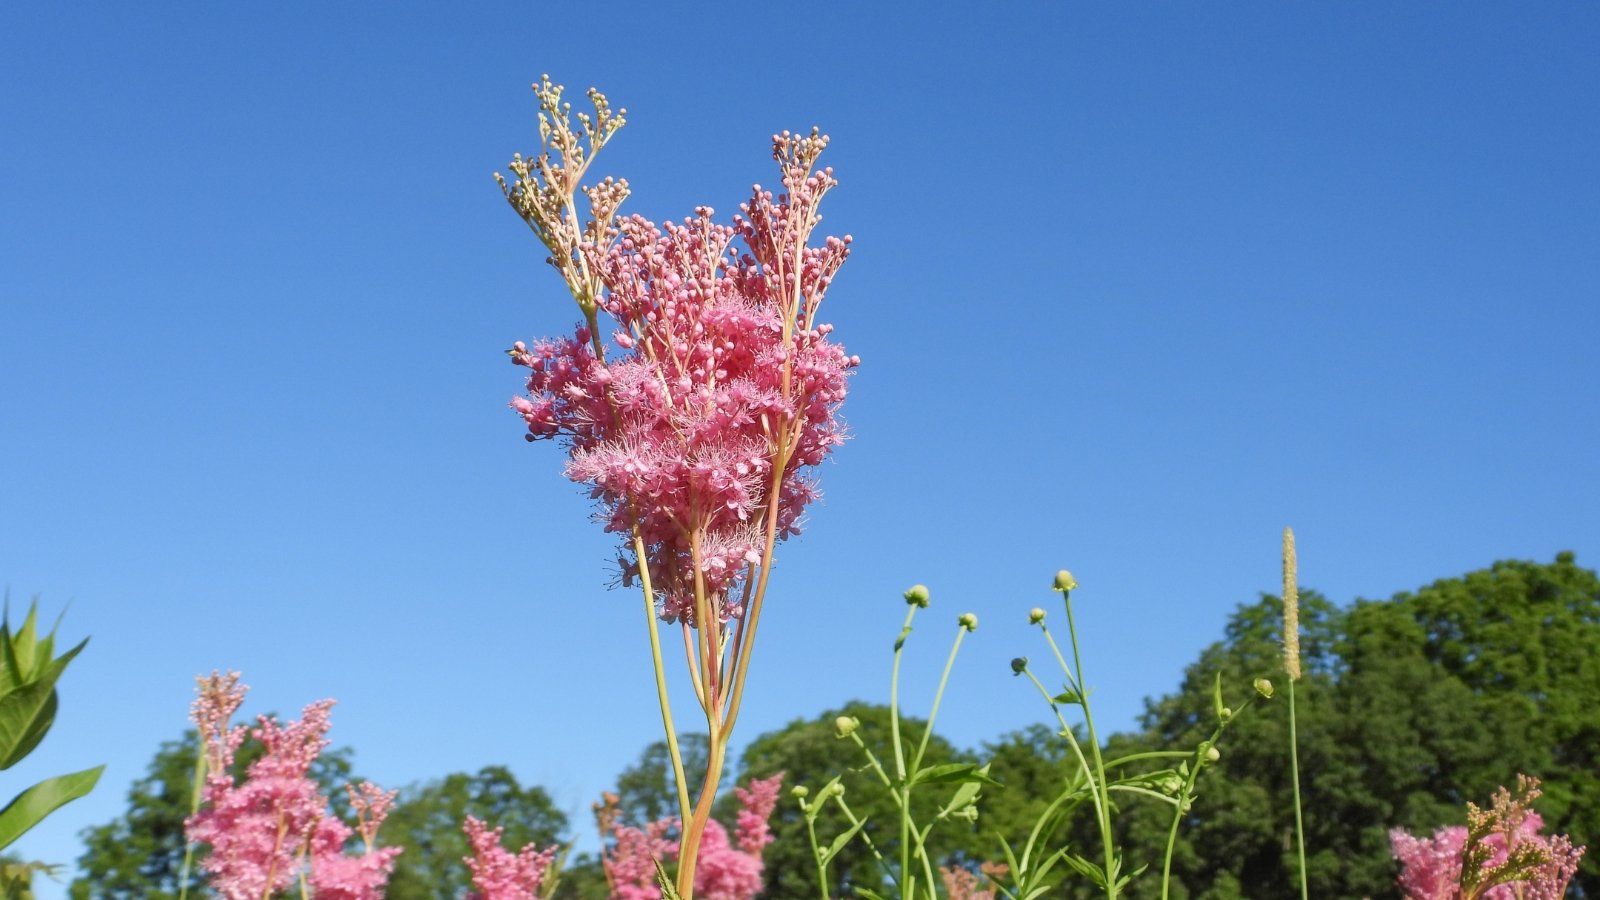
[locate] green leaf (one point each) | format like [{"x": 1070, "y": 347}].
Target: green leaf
[
  {"x": 1068, "y": 697},
  {"x": 1216, "y": 696},
  {"x": 25, "y": 644},
  {"x": 32, "y": 805},
  {"x": 840, "y": 842},
  {"x": 868, "y": 894},
  {"x": 669, "y": 891},
  {"x": 30, "y": 707},
  {"x": 964, "y": 795},
  {"x": 1085, "y": 868},
  {"x": 953, "y": 773}
]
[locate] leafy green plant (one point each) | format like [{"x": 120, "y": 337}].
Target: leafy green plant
[
  {"x": 1039, "y": 865},
  {"x": 28, "y": 673}
]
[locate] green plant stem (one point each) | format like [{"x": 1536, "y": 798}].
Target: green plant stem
[
  {"x": 922, "y": 746},
  {"x": 195, "y": 788},
  {"x": 900, "y": 787},
  {"x": 1103, "y": 807},
  {"x": 661, "y": 676},
  {"x": 1188, "y": 795},
  {"x": 816, "y": 849},
  {"x": 1294, "y": 771}
]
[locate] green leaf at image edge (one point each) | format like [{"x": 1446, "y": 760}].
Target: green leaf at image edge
[{"x": 32, "y": 805}]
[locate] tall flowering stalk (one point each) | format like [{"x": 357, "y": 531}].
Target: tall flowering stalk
[
  {"x": 1291, "y": 668},
  {"x": 694, "y": 424}
]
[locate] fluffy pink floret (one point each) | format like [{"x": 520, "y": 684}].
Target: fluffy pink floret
[
  {"x": 335, "y": 876},
  {"x": 269, "y": 830},
  {"x": 499, "y": 874},
  {"x": 257, "y": 829},
  {"x": 722, "y": 379},
  {"x": 725, "y": 872},
  {"x": 1431, "y": 867},
  {"x": 757, "y": 801},
  {"x": 630, "y": 861}
]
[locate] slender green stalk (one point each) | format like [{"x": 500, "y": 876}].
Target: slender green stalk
[
  {"x": 661, "y": 677},
  {"x": 195, "y": 787},
  {"x": 1299, "y": 822},
  {"x": 922, "y": 746},
  {"x": 901, "y": 790},
  {"x": 1188, "y": 794},
  {"x": 816, "y": 850},
  {"x": 1094, "y": 744}
]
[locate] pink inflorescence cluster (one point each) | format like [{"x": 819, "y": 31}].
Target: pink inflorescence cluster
[
  {"x": 725, "y": 870},
  {"x": 720, "y": 385},
  {"x": 499, "y": 874},
  {"x": 273, "y": 829},
  {"x": 1514, "y": 861}
]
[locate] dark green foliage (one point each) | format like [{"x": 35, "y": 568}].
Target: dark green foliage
[
  {"x": 139, "y": 855},
  {"x": 1409, "y": 708},
  {"x": 427, "y": 823}
]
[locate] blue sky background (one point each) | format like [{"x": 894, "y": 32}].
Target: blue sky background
[{"x": 1133, "y": 286}]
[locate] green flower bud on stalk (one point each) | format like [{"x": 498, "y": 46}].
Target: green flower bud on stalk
[
  {"x": 1264, "y": 688},
  {"x": 844, "y": 726},
  {"x": 1065, "y": 582},
  {"x": 968, "y": 621},
  {"x": 800, "y": 791},
  {"x": 917, "y": 596},
  {"x": 1035, "y": 616},
  {"x": 1019, "y": 665},
  {"x": 1213, "y": 754}
]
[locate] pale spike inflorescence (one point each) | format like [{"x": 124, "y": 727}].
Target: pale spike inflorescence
[{"x": 1291, "y": 609}]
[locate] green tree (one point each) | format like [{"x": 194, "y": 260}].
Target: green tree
[
  {"x": 1411, "y": 706},
  {"x": 138, "y": 855},
  {"x": 427, "y": 823}
]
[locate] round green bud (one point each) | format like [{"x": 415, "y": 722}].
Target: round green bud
[
  {"x": 1213, "y": 754},
  {"x": 1065, "y": 582},
  {"x": 968, "y": 621},
  {"x": 1035, "y": 616},
  {"x": 1019, "y": 665},
  {"x": 1264, "y": 687},
  {"x": 800, "y": 791},
  {"x": 1227, "y": 712},
  {"x": 844, "y": 726},
  {"x": 917, "y": 596}
]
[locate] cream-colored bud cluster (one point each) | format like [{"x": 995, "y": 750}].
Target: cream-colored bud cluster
[{"x": 545, "y": 188}]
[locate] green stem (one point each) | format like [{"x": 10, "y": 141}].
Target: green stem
[
  {"x": 661, "y": 676},
  {"x": 816, "y": 849},
  {"x": 195, "y": 787},
  {"x": 922, "y": 746},
  {"x": 901, "y": 791},
  {"x": 1294, "y": 770},
  {"x": 1094, "y": 744}
]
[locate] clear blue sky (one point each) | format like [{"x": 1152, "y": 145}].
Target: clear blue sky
[{"x": 1134, "y": 287}]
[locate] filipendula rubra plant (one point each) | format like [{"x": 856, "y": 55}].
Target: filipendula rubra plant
[
  {"x": 694, "y": 423},
  {"x": 272, "y": 834},
  {"x": 1498, "y": 855}
]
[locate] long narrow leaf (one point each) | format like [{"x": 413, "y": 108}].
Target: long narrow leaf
[{"x": 33, "y": 804}]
